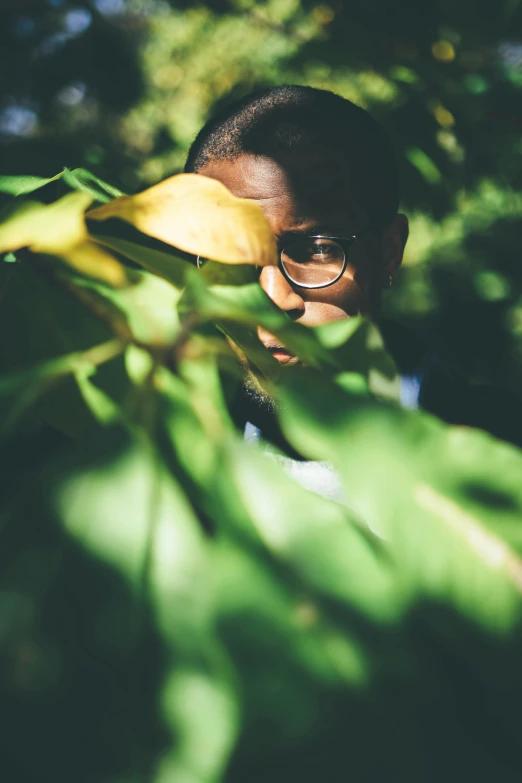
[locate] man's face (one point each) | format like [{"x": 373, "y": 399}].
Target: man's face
[{"x": 326, "y": 209}]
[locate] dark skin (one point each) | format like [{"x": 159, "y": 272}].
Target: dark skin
[{"x": 372, "y": 261}]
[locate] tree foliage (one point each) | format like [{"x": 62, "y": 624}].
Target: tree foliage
[
  {"x": 175, "y": 606},
  {"x": 123, "y": 86}
]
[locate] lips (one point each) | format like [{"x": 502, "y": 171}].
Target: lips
[
  {"x": 278, "y": 351},
  {"x": 281, "y": 354}
]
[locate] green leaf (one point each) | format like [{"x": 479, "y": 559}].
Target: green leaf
[
  {"x": 146, "y": 308},
  {"x": 204, "y": 713},
  {"x": 313, "y": 536},
  {"x": 40, "y": 322},
  {"x": 166, "y": 264},
  {"x": 119, "y": 502},
  {"x": 116, "y": 498},
  {"x": 81, "y": 179},
  {"x": 138, "y": 364},
  {"x": 249, "y": 306},
  {"x": 352, "y": 345},
  {"x": 21, "y": 185},
  {"x": 357, "y": 345},
  {"x": 444, "y": 547},
  {"x": 424, "y": 165},
  {"x": 215, "y": 273},
  {"x": 28, "y": 385},
  {"x": 99, "y": 403},
  {"x": 188, "y": 441}
]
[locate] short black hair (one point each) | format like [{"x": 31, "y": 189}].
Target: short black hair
[{"x": 305, "y": 129}]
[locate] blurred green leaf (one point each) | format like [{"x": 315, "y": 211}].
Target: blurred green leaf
[
  {"x": 98, "y": 402},
  {"x": 358, "y": 347},
  {"x": 424, "y": 165},
  {"x": 444, "y": 548},
  {"x": 138, "y": 363},
  {"x": 154, "y": 539},
  {"x": 314, "y": 537}
]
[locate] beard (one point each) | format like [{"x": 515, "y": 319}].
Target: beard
[
  {"x": 259, "y": 408},
  {"x": 257, "y": 399}
]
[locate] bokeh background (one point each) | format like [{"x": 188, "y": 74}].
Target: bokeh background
[{"x": 121, "y": 87}]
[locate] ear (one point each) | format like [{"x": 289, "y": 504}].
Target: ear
[{"x": 393, "y": 241}]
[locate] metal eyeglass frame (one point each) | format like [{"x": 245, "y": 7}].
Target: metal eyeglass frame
[{"x": 342, "y": 241}]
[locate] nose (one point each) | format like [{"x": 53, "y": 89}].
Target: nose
[{"x": 277, "y": 287}]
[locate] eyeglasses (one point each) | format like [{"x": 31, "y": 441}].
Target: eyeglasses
[{"x": 314, "y": 261}]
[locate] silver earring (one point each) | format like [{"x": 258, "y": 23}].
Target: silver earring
[{"x": 388, "y": 283}]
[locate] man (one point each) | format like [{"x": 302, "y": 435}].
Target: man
[{"x": 324, "y": 175}]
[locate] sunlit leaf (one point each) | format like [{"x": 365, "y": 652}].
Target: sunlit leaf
[
  {"x": 91, "y": 260},
  {"x": 22, "y": 184},
  {"x": 43, "y": 228},
  {"x": 59, "y": 229},
  {"x": 200, "y": 216}
]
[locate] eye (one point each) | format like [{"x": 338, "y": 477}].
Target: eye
[
  {"x": 322, "y": 249},
  {"x": 313, "y": 262},
  {"x": 304, "y": 251}
]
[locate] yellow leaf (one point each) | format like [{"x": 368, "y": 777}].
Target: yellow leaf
[
  {"x": 443, "y": 51},
  {"x": 200, "y": 216},
  {"x": 59, "y": 229},
  {"x": 46, "y": 228},
  {"x": 93, "y": 261}
]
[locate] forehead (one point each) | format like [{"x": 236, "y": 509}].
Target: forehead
[{"x": 292, "y": 197}]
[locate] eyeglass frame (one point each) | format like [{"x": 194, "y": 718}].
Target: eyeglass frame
[
  {"x": 340, "y": 240},
  {"x": 351, "y": 240}
]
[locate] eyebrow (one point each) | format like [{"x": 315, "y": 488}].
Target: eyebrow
[{"x": 317, "y": 229}]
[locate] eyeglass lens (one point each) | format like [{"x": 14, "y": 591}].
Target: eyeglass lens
[{"x": 312, "y": 262}]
